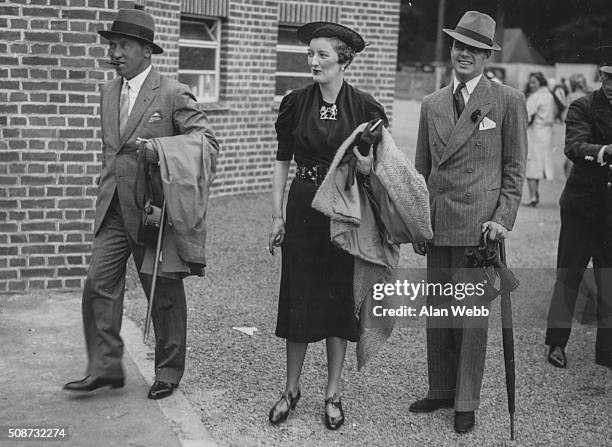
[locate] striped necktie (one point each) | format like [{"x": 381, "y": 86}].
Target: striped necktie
[
  {"x": 124, "y": 107},
  {"x": 458, "y": 100}
]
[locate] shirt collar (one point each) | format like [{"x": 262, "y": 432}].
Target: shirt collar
[
  {"x": 136, "y": 82},
  {"x": 469, "y": 85}
]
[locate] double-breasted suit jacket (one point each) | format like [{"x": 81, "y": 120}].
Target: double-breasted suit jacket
[
  {"x": 475, "y": 167},
  {"x": 588, "y": 187}
]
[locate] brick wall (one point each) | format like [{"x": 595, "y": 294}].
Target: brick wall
[{"x": 51, "y": 65}]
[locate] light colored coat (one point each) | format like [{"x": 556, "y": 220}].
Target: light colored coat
[
  {"x": 355, "y": 226},
  {"x": 473, "y": 175}
]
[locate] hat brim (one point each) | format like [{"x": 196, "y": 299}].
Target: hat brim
[
  {"x": 312, "y": 30},
  {"x": 108, "y": 34},
  {"x": 469, "y": 41}
]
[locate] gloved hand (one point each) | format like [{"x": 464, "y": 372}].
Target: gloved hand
[
  {"x": 369, "y": 137},
  {"x": 607, "y": 154},
  {"x": 149, "y": 152}
]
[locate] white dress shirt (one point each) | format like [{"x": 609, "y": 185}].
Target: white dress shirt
[
  {"x": 469, "y": 87},
  {"x": 135, "y": 84}
]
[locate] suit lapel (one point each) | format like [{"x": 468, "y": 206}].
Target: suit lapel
[
  {"x": 110, "y": 115},
  {"x": 148, "y": 91},
  {"x": 445, "y": 114},
  {"x": 481, "y": 99}
]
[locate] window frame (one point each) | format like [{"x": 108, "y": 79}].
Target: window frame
[
  {"x": 216, "y": 45},
  {"x": 288, "y": 48}
]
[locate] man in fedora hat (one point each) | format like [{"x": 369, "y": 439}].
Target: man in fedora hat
[
  {"x": 586, "y": 218},
  {"x": 471, "y": 149},
  {"x": 138, "y": 106}
]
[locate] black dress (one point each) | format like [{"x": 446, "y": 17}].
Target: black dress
[{"x": 316, "y": 290}]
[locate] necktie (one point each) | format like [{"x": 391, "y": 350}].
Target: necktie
[
  {"x": 458, "y": 100},
  {"x": 124, "y": 107}
]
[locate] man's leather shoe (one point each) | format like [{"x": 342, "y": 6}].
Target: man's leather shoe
[
  {"x": 429, "y": 405},
  {"x": 464, "y": 421},
  {"x": 160, "y": 389},
  {"x": 91, "y": 383},
  {"x": 604, "y": 358},
  {"x": 556, "y": 357}
]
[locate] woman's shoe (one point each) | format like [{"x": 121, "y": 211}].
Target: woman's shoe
[
  {"x": 556, "y": 357},
  {"x": 277, "y": 416},
  {"x": 537, "y": 198},
  {"x": 334, "y": 423}
]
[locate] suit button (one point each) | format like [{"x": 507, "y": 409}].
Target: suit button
[
  {"x": 479, "y": 143},
  {"x": 469, "y": 170},
  {"x": 434, "y": 143},
  {"x": 609, "y": 184},
  {"x": 440, "y": 190},
  {"x": 468, "y": 195},
  {"x": 442, "y": 167}
]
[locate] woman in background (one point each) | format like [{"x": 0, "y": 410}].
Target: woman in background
[
  {"x": 316, "y": 290},
  {"x": 541, "y": 115}
]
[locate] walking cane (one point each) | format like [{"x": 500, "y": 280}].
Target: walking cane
[
  {"x": 156, "y": 262},
  {"x": 508, "y": 345}
]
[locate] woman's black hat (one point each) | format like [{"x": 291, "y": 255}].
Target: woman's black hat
[{"x": 328, "y": 29}]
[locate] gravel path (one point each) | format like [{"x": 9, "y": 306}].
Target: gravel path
[{"x": 234, "y": 378}]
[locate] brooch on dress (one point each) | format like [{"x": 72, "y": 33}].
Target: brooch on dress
[{"x": 328, "y": 113}]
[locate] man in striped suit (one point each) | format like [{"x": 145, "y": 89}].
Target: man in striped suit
[{"x": 471, "y": 149}]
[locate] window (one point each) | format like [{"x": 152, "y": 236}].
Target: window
[
  {"x": 292, "y": 70},
  {"x": 199, "y": 57}
]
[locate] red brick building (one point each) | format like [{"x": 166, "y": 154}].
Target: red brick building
[{"x": 239, "y": 56}]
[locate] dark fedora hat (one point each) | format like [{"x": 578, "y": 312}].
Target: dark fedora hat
[
  {"x": 604, "y": 58},
  {"x": 134, "y": 23},
  {"x": 328, "y": 29},
  {"x": 475, "y": 29}
]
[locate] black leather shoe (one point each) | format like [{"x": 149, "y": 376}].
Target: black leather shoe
[
  {"x": 334, "y": 423},
  {"x": 429, "y": 405},
  {"x": 604, "y": 358},
  {"x": 276, "y": 416},
  {"x": 556, "y": 357},
  {"x": 464, "y": 421},
  {"x": 160, "y": 389},
  {"x": 91, "y": 383}
]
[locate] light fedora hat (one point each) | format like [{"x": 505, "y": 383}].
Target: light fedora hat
[
  {"x": 134, "y": 23},
  {"x": 604, "y": 58},
  {"x": 475, "y": 29}
]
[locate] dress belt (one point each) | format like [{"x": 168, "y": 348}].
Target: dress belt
[{"x": 313, "y": 174}]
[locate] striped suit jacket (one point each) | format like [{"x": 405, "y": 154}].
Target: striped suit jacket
[{"x": 474, "y": 172}]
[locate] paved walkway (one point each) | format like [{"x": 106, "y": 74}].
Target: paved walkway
[{"x": 43, "y": 347}]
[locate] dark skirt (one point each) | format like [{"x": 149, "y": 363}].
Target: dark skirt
[{"x": 316, "y": 291}]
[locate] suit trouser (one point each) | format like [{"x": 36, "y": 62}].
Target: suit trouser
[
  {"x": 102, "y": 305},
  {"x": 456, "y": 346},
  {"x": 579, "y": 241}
]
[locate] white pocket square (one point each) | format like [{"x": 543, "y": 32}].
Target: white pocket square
[
  {"x": 487, "y": 124},
  {"x": 155, "y": 117}
]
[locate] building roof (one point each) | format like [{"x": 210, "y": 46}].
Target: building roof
[{"x": 516, "y": 48}]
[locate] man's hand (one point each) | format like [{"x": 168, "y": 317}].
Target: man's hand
[
  {"x": 150, "y": 154},
  {"x": 420, "y": 248},
  {"x": 497, "y": 232}
]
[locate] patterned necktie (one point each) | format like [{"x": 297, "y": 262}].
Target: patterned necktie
[
  {"x": 458, "y": 99},
  {"x": 124, "y": 107}
]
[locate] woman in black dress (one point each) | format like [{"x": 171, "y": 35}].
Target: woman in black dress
[{"x": 316, "y": 290}]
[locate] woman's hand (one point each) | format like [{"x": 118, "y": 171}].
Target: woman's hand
[
  {"x": 364, "y": 164},
  {"x": 277, "y": 233}
]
